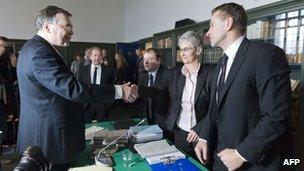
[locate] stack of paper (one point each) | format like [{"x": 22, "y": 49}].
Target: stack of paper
[
  {"x": 103, "y": 137},
  {"x": 158, "y": 151},
  {"x": 145, "y": 133},
  {"x": 89, "y": 132}
]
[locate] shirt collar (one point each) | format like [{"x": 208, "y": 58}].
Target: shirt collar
[
  {"x": 93, "y": 66},
  {"x": 233, "y": 48},
  {"x": 186, "y": 72},
  {"x": 153, "y": 72}
]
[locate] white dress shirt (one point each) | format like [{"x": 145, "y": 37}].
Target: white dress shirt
[
  {"x": 187, "y": 117},
  {"x": 98, "y": 78},
  {"x": 154, "y": 76},
  {"x": 231, "y": 52}
]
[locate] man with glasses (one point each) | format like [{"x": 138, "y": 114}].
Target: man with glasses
[{"x": 51, "y": 116}]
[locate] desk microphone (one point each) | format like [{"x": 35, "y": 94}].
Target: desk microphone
[{"x": 104, "y": 159}]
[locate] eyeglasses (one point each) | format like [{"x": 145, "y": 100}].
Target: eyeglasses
[
  {"x": 67, "y": 27},
  {"x": 187, "y": 49}
]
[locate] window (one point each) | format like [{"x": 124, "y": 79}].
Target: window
[{"x": 289, "y": 34}]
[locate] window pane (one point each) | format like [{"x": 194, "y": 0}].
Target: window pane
[
  {"x": 302, "y": 12},
  {"x": 279, "y": 37},
  {"x": 293, "y": 22},
  {"x": 293, "y": 14},
  {"x": 280, "y": 16},
  {"x": 302, "y": 21},
  {"x": 291, "y": 40},
  {"x": 280, "y": 24},
  {"x": 301, "y": 39}
]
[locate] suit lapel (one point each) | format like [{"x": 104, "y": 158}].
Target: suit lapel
[
  {"x": 146, "y": 78},
  {"x": 201, "y": 77},
  {"x": 238, "y": 60},
  {"x": 181, "y": 84},
  {"x": 87, "y": 71},
  {"x": 158, "y": 76}
]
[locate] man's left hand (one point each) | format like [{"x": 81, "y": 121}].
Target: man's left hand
[{"x": 231, "y": 159}]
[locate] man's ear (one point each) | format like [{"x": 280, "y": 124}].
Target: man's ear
[
  {"x": 229, "y": 23},
  {"x": 46, "y": 26}
]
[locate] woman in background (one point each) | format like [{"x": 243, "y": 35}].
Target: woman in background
[{"x": 121, "y": 69}]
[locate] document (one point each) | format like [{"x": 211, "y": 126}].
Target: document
[
  {"x": 90, "y": 168},
  {"x": 154, "y": 148}
]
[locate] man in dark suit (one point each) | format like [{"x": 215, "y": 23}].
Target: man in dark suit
[
  {"x": 51, "y": 116},
  {"x": 250, "y": 98},
  {"x": 156, "y": 75},
  {"x": 98, "y": 74},
  {"x": 189, "y": 93},
  {"x": 8, "y": 77}
]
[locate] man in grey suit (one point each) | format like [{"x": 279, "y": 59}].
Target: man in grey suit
[{"x": 51, "y": 115}]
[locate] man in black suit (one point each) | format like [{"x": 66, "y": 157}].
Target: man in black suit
[
  {"x": 250, "y": 98},
  {"x": 98, "y": 74},
  {"x": 51, "y": 114},
  {"x": 8, "y": 77},
  {"x": 156, "y": 75}
]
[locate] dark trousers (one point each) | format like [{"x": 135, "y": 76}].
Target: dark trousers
[
  {"x": 60, "y": 167},
  {"x": 95, "y": 111},
  {"x": 180, "y": 140},
  {"x": 3, "y": 124}
]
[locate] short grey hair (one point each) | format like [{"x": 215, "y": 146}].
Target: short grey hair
[
  {"x": 191, "y": 37},
  {"x": 48, "y": 15}
]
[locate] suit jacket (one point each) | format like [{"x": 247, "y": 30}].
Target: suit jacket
[
  {"x": 51, "y": 116},
  {"x": 201, "y": 99},
  {"x": 253, "y": 107},
  {"x": 175, "y": 89},
  {"x": 107, "y": 77},
  {"x": 159, "y": 103}
]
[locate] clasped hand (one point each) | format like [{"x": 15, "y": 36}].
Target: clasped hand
[{"x": 129, "y": 92}]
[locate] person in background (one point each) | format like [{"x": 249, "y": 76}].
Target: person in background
[
  {"x": 86, "y": 57},
  {"x": 98, "y": 74},
  {"x": 139, "y": 69},
  {"x": 108, "y": 60},
  {"x": 189, "y": 93},
  {"x": 154, "y": 107},
  {"x": 51, "y": 114},
  {"x": 121, "y": 73},
  {"x": 250, "y": 99},
  {"x": 8, "y": 77},
  {"x": 75, "y": 65}
]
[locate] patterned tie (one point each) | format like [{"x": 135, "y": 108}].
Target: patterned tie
[
  {"x": 95, "y": 75},
  {"x": 151, "y": 80},
  {"x": 221, "y": 80}
]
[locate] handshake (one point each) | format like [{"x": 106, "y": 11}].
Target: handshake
[{"x": 129, "y": 92}]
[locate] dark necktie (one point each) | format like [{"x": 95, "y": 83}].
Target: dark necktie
[
  {"x": 95, "y": 75},
  {"x": 221, "y": 80},
  {"x": 150, "y": 102},
  {"x": 151, "y": 80}
]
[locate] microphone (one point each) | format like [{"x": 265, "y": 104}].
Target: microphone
[{"x": 104, "y": 159}]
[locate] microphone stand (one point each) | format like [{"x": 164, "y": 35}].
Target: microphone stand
[{"x": 107, "y": 158}]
